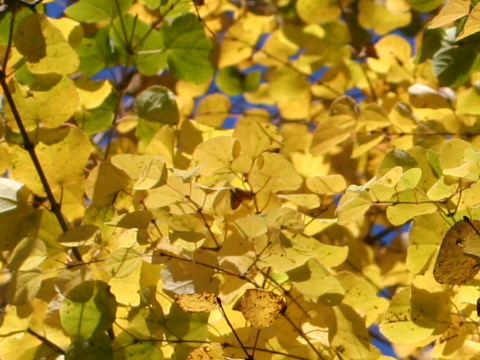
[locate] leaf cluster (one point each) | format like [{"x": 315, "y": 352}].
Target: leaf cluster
[{"x": 136, "y": 223}]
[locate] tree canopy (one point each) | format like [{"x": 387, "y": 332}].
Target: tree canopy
[{"x": 250, "y": 179}]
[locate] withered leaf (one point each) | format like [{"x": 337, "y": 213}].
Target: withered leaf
[
  {"x": 261, "y": 307},
  {"x": 454, "y": 266}
]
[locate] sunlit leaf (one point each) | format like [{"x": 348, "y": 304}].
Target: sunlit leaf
[
  {"x": 92, "y": 11},
  {"x": 261, "y": 307},
  {"x": 212, "y": 351},
  {"x": 122, "y": 262},
  {"x": 204, "y": 302},
  {"x": 88, "y": 310},
  {"x": 29, "y": 253},
  {"x": 451, "y": 11}
]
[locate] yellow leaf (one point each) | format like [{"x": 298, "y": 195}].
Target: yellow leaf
[
  {"x": 255, "y": 137},
  {"x": 362, "y": 296},
  {"x": 426, "y": 234},
  {"x": 317, "y": 11},
  {"x": 286, "y": 84},
  {"x": 440, "y": 190},
  {"x": 273, "y": 173},
  {"x": 50, "y": 101},
  {"x": 216, "y": 154},
  {"x": 92, "y": 93},
  {"x": 453, "y": 266},
  {"x": 29, "y": 253},
  {"x": 379, "y": 18},
  {"x": 401, "y": 324},
  {"x": 122, "y": 262},
  {"x": 326, "y": 184},
  {"x": 212, "y": 110},
  {"x": 24, "y": 286},
  {"x": 451, "y": 11},
  {"x": 203, "y": 302},
  {"x": 365, "y": 143},
  {"x": 103, "y": 183},
  {"x": 52, "y": 53},
  {"x": 261, "y": 307},
  {"x": 315, "y": 282},
  {"x": 350, "y": 333}
]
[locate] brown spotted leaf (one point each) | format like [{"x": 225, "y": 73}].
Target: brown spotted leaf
[
  {"x": 261, "y": 307},
  {"x": 212, "y": 351},
  {"x": 454, "y": 266},
  {"x": 197, "y": 303}
]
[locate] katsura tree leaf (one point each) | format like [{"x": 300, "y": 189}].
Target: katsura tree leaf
[
  {"x": 425, "y": 5},
  {"x": 182, "y": 325},
  {"x": 446, "y": 61},
  {"x": 101, "y": 192},
  {"x": 362, "y": 296},
  {"x": 45, "y": 47},
  {"x": 451, "y": 11},
  {"x": 212, "y": 351},
  {"x": 197, "y": 303},
  {"x": 398, "y": 324},
  {"x": 50, "y": 101},
  {"x": 92, "y": 93},
  {"x": 24, "y": 286},
  {"x": 62, "y": 160},
  {"x": 256, "y": 137},
  {"x": 350, "y": 333},
  {"x": 139, "y": 219},
  {"x": 121, "y": 262},
  {"x": 426, "y": 234},
  {"x": 453, "y": 265},
  {"x": 140, "y": 351},
  {"x": 88, "y": 310},
  {"x": 187, "y": 49},
  {"x": 212, "y": 110},
  {"x": 28, "y": 254},
  {"x": 80, "y": 235},
  {"x": 92, "y": 11},
  {"x": 96, "y": 348},
  {"x": 261, "y": 307},
  {"x": 157, "y": 104},
  {"x": 233, "y": 82},
  {"x": 216, "y": 154},
  {"x": 327, "y": 184},
  {"x": 273, "y": 173},
  {"x": 317, "y": 11},
  {"x": 316, "y": 283},
  {"x": 472, "y": 24}
]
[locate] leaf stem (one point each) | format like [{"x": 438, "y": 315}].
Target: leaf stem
[{"x": 219, "y": 302}]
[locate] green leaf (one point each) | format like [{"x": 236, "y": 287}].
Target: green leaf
[
  {"x": 88, "y": 310},
  {"x": 431, "y": 43},
  {"x": 233, "y": 82},
  {"x": 95, "y": 348},
  {"x": 188, "y": 49},
  {"x": 157, "y": 104},
  {"x": 92, "y": 11},
  {"x": 96, "y": 52},
  {"x": 425, "y": 5},
  {"x": 446, "y": 62},
  {"x": 140, "y": 351}
]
